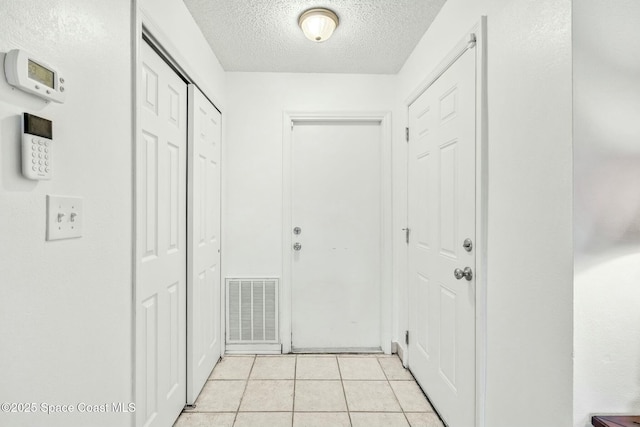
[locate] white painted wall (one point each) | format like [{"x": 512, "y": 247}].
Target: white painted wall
[
  {"x": 182, "y": 38},
  {"x": 65, "y": 306},
  {"x": 606, "y": 67},
  {"x": 252, "y": 206},
  {"x": 530, "y": 321},
  {"x": 253, "y": 168}
]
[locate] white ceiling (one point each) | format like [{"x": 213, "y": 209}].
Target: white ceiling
[{"x": 374, "y": 36}]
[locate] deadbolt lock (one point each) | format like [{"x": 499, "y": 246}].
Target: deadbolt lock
[
  {"x": 467, "y": 245},
  {"x": 297, "y": 230}
]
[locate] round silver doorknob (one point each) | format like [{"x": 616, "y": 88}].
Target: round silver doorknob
[
  {"x": 297, "y": 246},
  {"x": 467, "y": 273}
]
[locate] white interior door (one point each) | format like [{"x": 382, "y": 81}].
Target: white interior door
[
  {"x": 203, "y": 319},
  {"x": 161, "y": 250},
  {"x": 336, "y": 203},
  {"x": 441, "y": 216}
]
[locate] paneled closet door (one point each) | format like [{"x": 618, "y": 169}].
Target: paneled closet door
[
  {"x": 161, "y": 245},
  {"x": 203, "y": 319}
]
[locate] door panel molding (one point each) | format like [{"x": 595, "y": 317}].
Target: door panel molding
[
  {"x": 146, "y": 31},
  {"x": 384, "y": 119},
  {"x": 159, "y": 255},
  {"x": 204, "y": 293},
  {"x": 479, "y": 43}
]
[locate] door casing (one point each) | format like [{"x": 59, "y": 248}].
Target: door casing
[
  {"x": 479, "y": 32},
  {"x": 384, "y": 119}
]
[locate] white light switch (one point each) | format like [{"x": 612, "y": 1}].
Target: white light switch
[{"x": 64, "y": 217}]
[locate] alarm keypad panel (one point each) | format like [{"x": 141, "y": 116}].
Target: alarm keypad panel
[{"x": 37, "y": 147}]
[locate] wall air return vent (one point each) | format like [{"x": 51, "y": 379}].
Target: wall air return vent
[{"x": 252, "y": 315}]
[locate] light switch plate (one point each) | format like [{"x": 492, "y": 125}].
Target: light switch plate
[{"x": 64, "y": 217}]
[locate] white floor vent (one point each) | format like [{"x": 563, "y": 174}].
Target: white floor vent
[{"x": 252, "y": 315}]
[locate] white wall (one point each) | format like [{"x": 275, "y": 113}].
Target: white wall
[
  {"x": 606, "y": 64},
  {"x": 182, "y": 38},
  {"x": 252, "y": 171},
  {"x": 529, "y": 343},
  {"x": 252, "y": 236},
  {"x": 65, "y": 306}
]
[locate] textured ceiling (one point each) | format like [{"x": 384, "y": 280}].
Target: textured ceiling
[{"x": 374, "y": 36}]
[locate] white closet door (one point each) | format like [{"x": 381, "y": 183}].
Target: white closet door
[
  {"x": 203, "y": 323},
  {"x": 161, "y": 250}
]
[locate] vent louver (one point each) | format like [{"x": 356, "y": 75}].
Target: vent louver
[{"x": 252, "y": 311}]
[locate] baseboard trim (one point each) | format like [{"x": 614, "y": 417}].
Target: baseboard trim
[{"x": 398, "y": 349}]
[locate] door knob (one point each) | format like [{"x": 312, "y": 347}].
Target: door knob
[
  {"x": 467, "y": 273},
  {"x": 297, "y": 246}
]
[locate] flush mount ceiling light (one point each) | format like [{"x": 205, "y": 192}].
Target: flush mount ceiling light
[{"x": 318, "y": 24}]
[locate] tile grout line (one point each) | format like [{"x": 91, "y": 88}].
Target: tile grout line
[
  {"x": 424, "y": 394},
  {"x": 295, "y": 382},
  {"x": 246, "y": 385},
  {"x": 393, "y": 391},
  {"x": 388, "y": 378},
  {"x": 344, "y": 392}
]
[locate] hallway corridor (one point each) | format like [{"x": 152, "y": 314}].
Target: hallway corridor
[{"x": 310, "y": 390}]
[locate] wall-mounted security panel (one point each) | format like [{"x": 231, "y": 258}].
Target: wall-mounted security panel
[
  {"x": 37, "y": 147},
  {"x": 31, "y": 74}
]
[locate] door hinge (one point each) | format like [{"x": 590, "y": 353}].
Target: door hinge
[
  {"x": 407, "y": 133},
  {"x": 406, "y": 337},
  {"x": 407, "y": 231},
  {"x": 472, "y": 41}
]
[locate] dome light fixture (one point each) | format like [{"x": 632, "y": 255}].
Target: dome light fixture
[{"x": 318, "y": 24}]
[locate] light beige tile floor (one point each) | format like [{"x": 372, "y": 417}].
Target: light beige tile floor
[{"x": 310, "y": 391}]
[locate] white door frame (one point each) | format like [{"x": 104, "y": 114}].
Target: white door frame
[
  {"x": 144, "y": 26},
  {"x": 466, "y": 42},
  {"x": 386, "y": 291}
]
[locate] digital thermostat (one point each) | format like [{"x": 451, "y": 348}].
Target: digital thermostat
[{"x": 32, "y": 75}]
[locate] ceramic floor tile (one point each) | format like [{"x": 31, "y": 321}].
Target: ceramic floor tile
[
  {"x": 274, "y": 368},
  {"x": 205, "y": 419},
  {"x": 321, "y": 419},
  {"x": 410, "y": 396},
  {"x": 370, "y": 396},
  {"x": 367, "y": 355},
  {"x": 392, "y": 367},
  {"x": 299, "y": 355},
  {"x": 268, "y": 395},
  {"x": 263, "y": 419},
  {"x": 319, "y": 396},
  {"x": 360, "y": 368},
  {"x": 423, "y": 419},
  {"x": 220, "y": 396},
  {"x": 233, "y": 368},
  {"x": 378, "y": 419},
  {"x": 317, "y": 368}
]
